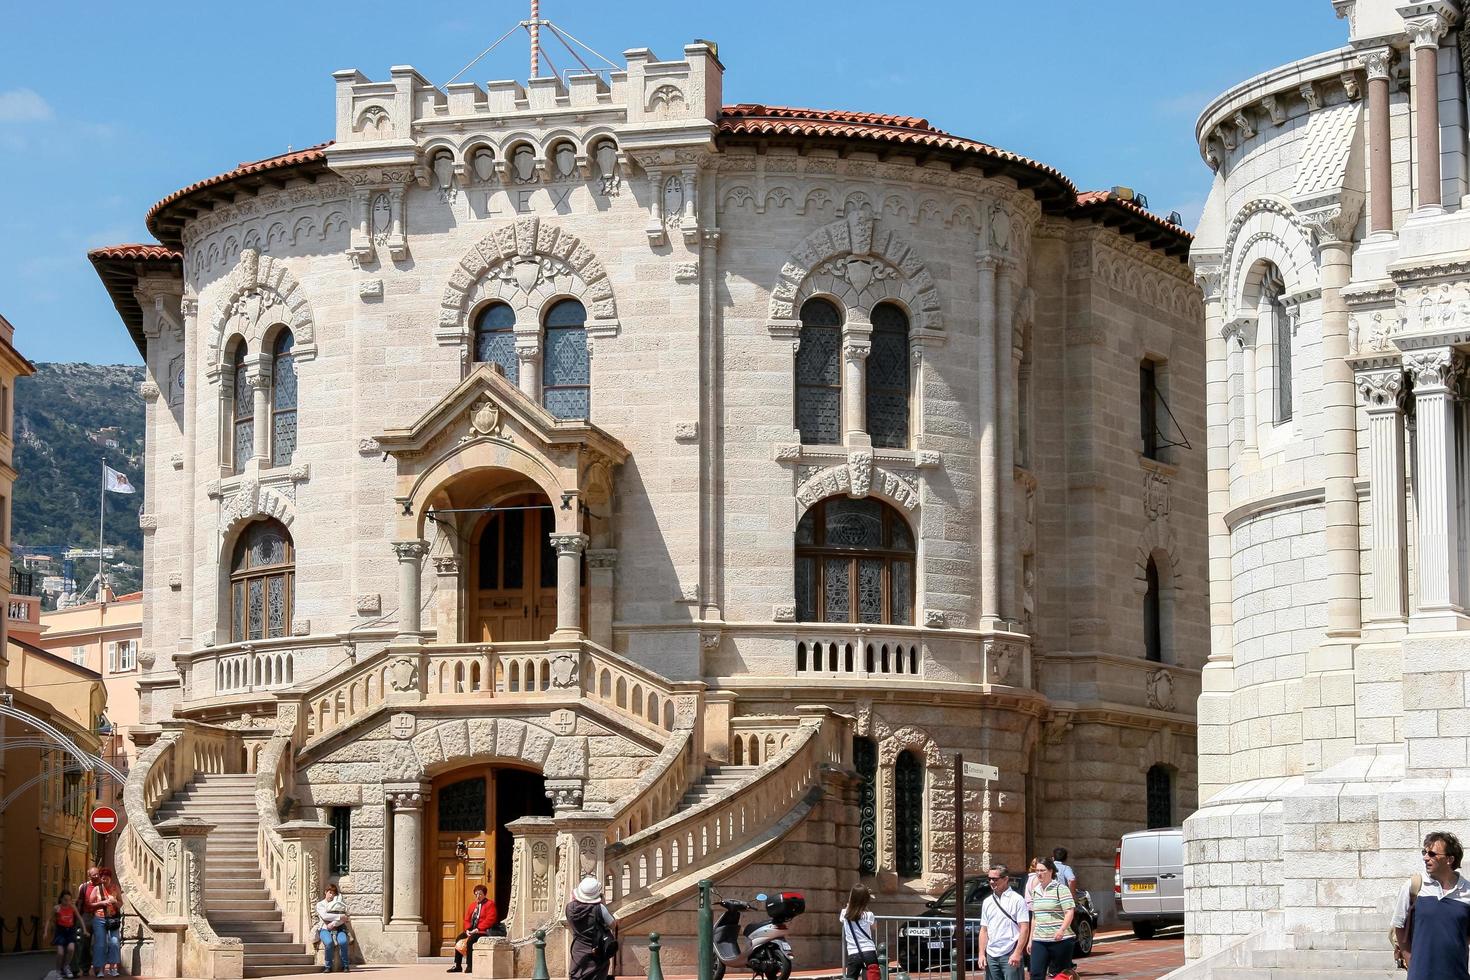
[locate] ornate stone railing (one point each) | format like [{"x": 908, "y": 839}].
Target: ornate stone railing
[
  {"x": 694, "y": 839},
  {"x": 755, "y": 740},
  {"x": 858, "y": 655},
  {"x": 658, "y": 793},
  {"x": 162, "y": 867},
  {"x": 637, "y": 693},
  {"x": 292, "y": 854}
]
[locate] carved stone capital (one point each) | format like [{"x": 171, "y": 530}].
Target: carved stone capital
[
  {"x": 410, "y": 796},
  {"x": 573, "y": 543},
  {"x": 1438, "y": 367},
  {"x": 856, "y": 351},
  {"x": 1209, "y": 278},
  {"x": 1382, "y": 389},
  {"x": 410, "y": 550},
  {"x": 1425, "y": 32},
  {"x": 1274, "y": 109},
  {"x": 149, "y": 391},
  {"x": 1377, "y": 62},
  {"x": 1310, "y": 95},
  {"x": 258, "y": 379},
  {"x": 1243, "y": 124},
  {"x": 1334, "y": 223}
]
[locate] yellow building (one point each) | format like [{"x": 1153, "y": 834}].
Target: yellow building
[{"x": 104, "y": 638}]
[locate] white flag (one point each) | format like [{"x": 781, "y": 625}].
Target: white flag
[{"x": 115, "y": 481}]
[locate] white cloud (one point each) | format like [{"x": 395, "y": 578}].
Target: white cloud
[{"x": 23, "y": 105}]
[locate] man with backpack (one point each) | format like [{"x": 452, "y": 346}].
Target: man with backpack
[
  {"x": 1005, "y": 924},
  {"x": 1431, "y": 921}
]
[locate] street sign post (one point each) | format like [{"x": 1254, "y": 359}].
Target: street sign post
[
  {"x": 104, "y": 820},
  {"x": 960, "y": 768},
  {"x": 976, "y": 770}
]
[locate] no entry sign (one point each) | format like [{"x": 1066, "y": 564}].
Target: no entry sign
[{"x": 104, "y": 820}]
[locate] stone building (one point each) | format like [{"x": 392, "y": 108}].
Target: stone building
[
  {"x": 587, "y": 477},
  {"x": 1335, "y": 256}
]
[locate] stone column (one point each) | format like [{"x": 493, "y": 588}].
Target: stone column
[
  {"x": 258, "y": 377},
  {"x": 1436, "y": 372},
  {"x": 310, "y": 838},
  {"x": 533, "y": 870},
  {"x": 1381, "y": 382},
  {"x": 1234, "y": 388},
  {"x": 1340, "y": 428},
  {"x": 1378, "y": 62},
  {"x": 528, "y": 368},
  {"x": 856, "y": 345},
  {"x": 1217, "y": 441},
  {"x": 1007, "y": 362},
  {"x": 569, "y": 547},
  {"x": 1425, "y": 33},
  {"x": 406, "y": 802},
  {"x": 985, "y": 498},
  {"x": 602, "y": 566},
  {"x": 1248, "y": 381},
  {"x": 410, "y": 569}
]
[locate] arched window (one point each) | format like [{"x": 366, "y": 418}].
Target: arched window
[
  {"x": 566, "y": 370},
  {"x": 242, "y": 411},
  {"x": 1153, "y": 631},
  {"x": 262, "y": 582},
  {"x": 1272, "y": 288},
  {"x": 495, "y": 340},
  {"x": 819, "y": 375},
  {"x": 888, "y": 378},
  {"x": 908, "y": 815},
  {"x": 865, "y": 761},
  {"x": 283, "y": 399},
  {"x": 1160, "y": 788},
  {"x": 854, "y": 563}
]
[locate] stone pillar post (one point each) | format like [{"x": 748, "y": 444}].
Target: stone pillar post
[
  {"x": 1381, "y": 381},
  {"x": 1340, "y": 429},
  {"x": 1008, "y": 360},
  {"x": 1378, "y": 63},
  {"x": 1425, "y": 33},
  {"x": 533, "y": 875},
  {"x": 410, "y": 569},
  {"x": 306, "y": 840},
  {"x": 1248, "y": 381},
  {"x": 856, "y": 345},
  {"x": 602, "y": 566},
  {"x": 986, "y": 499},
  {"x": 406, "y": 803},
  {"x": 528, "y": 368},
  {"x": 569, "y": 547},
  {"x": 1436, "y": 372},
  {"x": 258, "y": 377}
]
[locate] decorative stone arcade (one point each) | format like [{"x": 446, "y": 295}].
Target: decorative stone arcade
[{"x": 488, "y": 443}]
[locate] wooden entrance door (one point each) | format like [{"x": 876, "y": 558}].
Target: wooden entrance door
[
  {"x": 514, "y": 594},
  {"x": 461, "y": 847}
]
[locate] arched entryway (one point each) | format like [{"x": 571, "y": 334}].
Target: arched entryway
[
  {"x": 510, "y": 579},
  {"x": 468, "y": 844}
]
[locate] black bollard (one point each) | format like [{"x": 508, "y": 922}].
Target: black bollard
[
  {"x": 18, "y": 930},
  {"x": 35, "y": 933},
  {"x": 539, "y": 972},
  {"x": 882, "y": 961},
  {"x": 655, "y": 968}
]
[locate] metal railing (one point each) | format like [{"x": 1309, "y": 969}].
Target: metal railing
[{"x": 923, "y": 945}]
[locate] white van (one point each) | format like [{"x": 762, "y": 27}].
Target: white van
[{"x": 1148, "y": 879}]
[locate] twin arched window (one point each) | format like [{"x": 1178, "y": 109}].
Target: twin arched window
[
  {"x": 280, "y": 424},
  {"x": 262, "y": 582},
  {"x": 566, "y": 367},
  {"x": 819, "y": 376},
  {"x": 854, "y": 563}
]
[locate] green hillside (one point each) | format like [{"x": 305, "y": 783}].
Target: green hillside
[{"x": 68, "y": 418}]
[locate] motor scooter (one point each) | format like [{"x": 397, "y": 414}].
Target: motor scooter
[{"x": 766, "y": 949}]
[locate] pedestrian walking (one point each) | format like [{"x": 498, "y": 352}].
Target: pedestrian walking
[
  {"x": 1052, "y": 910},
  {"x": 103, "y": 915},
  {"x": 1065, "y": 874},
  {"x": 1431, "y": 920},
  {"x": 82, "y": 962},
  {"x": 860, "y": 954},
  {"x": 479, "y": 918},
  {"x": 1005, "y": 927},
  {"x": 331, "y": 926},
  {"x": 594, "y": 932},
  {"x": 65, "y": 925}
]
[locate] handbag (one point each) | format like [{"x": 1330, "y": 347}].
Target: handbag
[
  {"x": 461, "y": 946},
  {"x": 868, "y": 956}
]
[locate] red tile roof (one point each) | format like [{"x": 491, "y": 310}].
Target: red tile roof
[
  {"x": 120, "y": 266},
  {"x": 138, "y": 253},
  {"x": 1128, "y": 217},
  {"x": 166, "y": 225}
]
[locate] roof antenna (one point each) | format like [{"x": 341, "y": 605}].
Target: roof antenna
[{"x": 533, "y": 26}]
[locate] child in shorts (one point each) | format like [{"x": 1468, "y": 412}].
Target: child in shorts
[{"x": 64, "y": 929}]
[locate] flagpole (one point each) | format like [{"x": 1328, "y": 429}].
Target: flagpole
[{"x": 101, "y": 525}]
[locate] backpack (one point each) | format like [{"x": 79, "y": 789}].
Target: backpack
[{"x": 1393, "y": 940}]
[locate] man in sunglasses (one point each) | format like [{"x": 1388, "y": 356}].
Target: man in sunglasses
[
  {"x": 1005, "y": 924},
  {"x": 1431, "y": 920}
]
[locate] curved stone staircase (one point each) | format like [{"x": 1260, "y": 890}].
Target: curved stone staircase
[{"x": 235, "y": 895}]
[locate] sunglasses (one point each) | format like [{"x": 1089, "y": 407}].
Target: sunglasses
[{"x": 1431, "y": 854}]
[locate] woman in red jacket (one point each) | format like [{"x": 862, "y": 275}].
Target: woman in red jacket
[{"x": 478, "y": 919}]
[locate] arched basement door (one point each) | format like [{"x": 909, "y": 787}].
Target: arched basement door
[
  {"x": 512, "y": 580},
  {"x": 469, "y": 845}
]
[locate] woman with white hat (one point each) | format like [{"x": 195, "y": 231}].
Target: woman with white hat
[{"x": 594, "y": 932}]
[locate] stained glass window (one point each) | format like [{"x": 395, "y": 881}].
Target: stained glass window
[
  {"x": 888, "y": 377},
  {"x": 908, "y": 815},
  {"x": 854, "y": 563},
  {"x": 262, "y": 582},
  {"x": 819, "y": 374},
  {"x": 495, "y": 340},
  {"x": 242, "y": 411},
  {"x": 1160, "y": 789},
  {"x": 566, "y": 370},
  {"x": 462, "y": 807},
  {"x": 283, "y": 400}
]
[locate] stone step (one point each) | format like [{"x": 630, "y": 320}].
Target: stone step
[
  {"x": 279, "y": 971},
  {"x": 264, "y": 936},
  {"x": 298, "y": 958},
  {"x": 257, "y": 907},
  {"x": 1323, "y": 959},
  {"x": 230, "y": 893},
  {"x": 1376, "y": 940},
  {"x": 273, "y": 948},
  {"x": 1296, "y": 973}
]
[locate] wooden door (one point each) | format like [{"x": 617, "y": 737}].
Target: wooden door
[
  {"x": 508, "y": 595},
  {"x": 462, "y": 850}
]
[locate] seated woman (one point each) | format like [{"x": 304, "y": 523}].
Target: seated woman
[
  {"x": 479, "y": 919},
  {"x": 331, "y": 923}
]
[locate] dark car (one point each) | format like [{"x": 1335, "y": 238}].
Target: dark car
[{"x": 926, "y": 942}]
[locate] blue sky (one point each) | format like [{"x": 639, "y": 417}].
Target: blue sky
[{"x": 106, "y": 107}]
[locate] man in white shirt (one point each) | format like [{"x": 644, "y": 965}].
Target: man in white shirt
[{"x": 1005, "y": 925}]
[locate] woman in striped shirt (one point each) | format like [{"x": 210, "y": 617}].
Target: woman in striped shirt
[{"x": 1052, "y": 909}]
